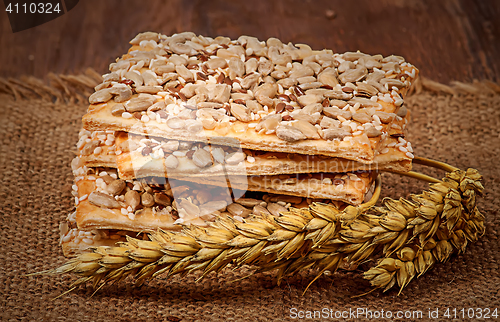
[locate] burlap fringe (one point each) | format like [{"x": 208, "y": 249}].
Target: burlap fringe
[
  {"x": 485, "y": 87},
  {"x": 56, "y": 88},
  {"x": 77, "y": 88}
]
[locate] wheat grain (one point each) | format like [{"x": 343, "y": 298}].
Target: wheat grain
[{"x": 411, "y": 236}]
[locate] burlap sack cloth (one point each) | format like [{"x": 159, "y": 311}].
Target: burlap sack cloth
[{"x": 38, "y": 132}]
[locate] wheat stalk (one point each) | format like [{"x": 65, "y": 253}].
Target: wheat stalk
[
  {"x": 411, "y": 235},
  {"x": 440, "y": 222}
]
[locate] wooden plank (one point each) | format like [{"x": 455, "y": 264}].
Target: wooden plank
[{"x": 446, "y": 40}]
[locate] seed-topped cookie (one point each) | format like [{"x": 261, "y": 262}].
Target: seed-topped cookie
[{"x": 263, "y": 95}]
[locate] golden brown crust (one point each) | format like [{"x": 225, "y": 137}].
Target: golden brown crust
[
  {"x": 133, "y": 164},
  {"x": 90, "y": 216},
  {"x": 350, "y": 188}
]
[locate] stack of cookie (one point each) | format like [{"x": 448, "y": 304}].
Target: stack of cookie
[{"x": 185, "y": 128}]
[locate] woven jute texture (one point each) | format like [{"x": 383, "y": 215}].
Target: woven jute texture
[{"x": 458, "y": 124}]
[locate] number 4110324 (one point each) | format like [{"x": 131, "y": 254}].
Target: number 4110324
[
  {"x": 33, "y": 8},
  {"x": 471, "y": 313}
]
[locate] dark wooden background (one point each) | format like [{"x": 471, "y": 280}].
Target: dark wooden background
[{"x": 446, "y": 40}]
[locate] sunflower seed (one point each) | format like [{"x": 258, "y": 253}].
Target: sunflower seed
[
  {"x": 265, "y": 67},
  {"x": 366, "y": 89},
  {"x": 390, "y": 82},
  {"x": 119, "y": 66},
  {"x": 149, "y": 78},
  {"x": 352, "y": 56},
  {"x": 402, "y": 111},
  {"x": 385, "y": 117},
  {"x": 300, "y": 70},
  {"x": 375, "y": 76},
  {"x": 248, "y": 202},
  {"x": 265, "y": 93},
  {"x": 259, "y": 210},
  {"x": 236, "y": 209},
  {"x": 111, "y": 77},
  {"x": 250, "y": 80},
  {"x": 140, "y": 103},
  {"x": 201, "y": 158},
  {"x": 361, "y": 117},
  {"x": 148, "y": 89},
  {"x": 275, "y": 209},
  {"x": 189, "y": 90},
  {"x": 251, "y": 65},
  {"x": 334, "y": 112},
  {"x": 327, "y": 122},
  {"x": 164, "y": 70},
  {"x": 338, "y": 103},
  {"x": 219, "y": 93},
  {"x": 235, "y": 158},
  {"x": 269, "y": 122},
  {"x": 287, "y": 82},
  {"x": 122, "y": 92},
  {"x": 391, "y": 67},
  {"x": 147, "y": 199},
  {"x": 307, "y": 99},
  {"x": 103, "y": 200},
  {"x": 184, "y": 73},
  {"x": 338, "y": 95},
  {"x": 177, "y": 60},
  {"x": 218, "y": 155},
  {"x": 135, "y": 77},
  {"x": 194, "y": 126},
  {"x": 353, "y": 75},
  {"x": 215, "y": 63},
  {"x": 157, "y": 106},
  {"x": 328, "y": 77},
  {"x": 306, "y": 79},
  {"x": 254, "y": 106},
  {"x": 162, "y": 199},
  {"x": 369, "y": 62},
  {"x": 289, "y": 133},
  {"x": 236, "y": 68},
  {"x": 182, "y": 48},
  {"x": 219, "y": 205},
  {"x": 171, "y": 162},
  {"x": 300, "y": 115},
  {"x": 287, "y": 199},
  {"x": 175, "y": 123},
  {"x": 312, "y": 85},
  {"x": 269, "y": 79},
  {"x": 377, "y": 85},
  {"x": 345, "y": 66},
  {"x": 145, "y": 36},
  {"x": 309, "y": 130},
  {"x": 115, "y": 187},
  {"x": 334, "y": 133},
  {"x": 364, "y": 102},
  {"x": 372, "y": 132},
  {"x": 241, "y": 112},
  {"x": 170, "y": 146},
  {"x": 278, "y": 58},
  {"x": 117, "y": 109},
  {"x": 101, "y": 96},
  {"x": 89, "y": 147},
  {"x": 313, "y": 108}
]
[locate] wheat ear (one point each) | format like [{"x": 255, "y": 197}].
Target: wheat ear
[{"x": 411, "y": 235}]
